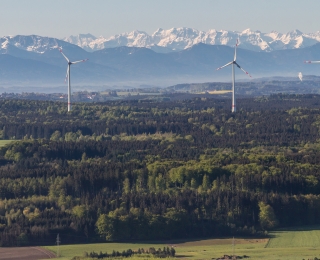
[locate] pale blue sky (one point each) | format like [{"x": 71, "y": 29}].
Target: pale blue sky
[{"x": 60, "y": 18}]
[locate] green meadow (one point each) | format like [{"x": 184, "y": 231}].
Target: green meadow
[
  {"x": 5, "y": 142},
  {"x": 295, "y": 244},
  {"x": 301, "y": 237}
]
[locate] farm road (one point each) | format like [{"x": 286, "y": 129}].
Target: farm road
[{"x": 25, "y": 253}]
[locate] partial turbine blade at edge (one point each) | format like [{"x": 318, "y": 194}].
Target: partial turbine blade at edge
[
  {"x": 235, "y": 50},
  {"x": 225, "y": 65},
  {"x": 64, "y": 55},
  {"x": 74, "y": 62},
  {"x": 310, "y": 61}
]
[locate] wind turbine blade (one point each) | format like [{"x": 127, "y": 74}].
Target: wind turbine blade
[
  {"x": 74, "y": 62},
  {"x": 225, "y": 65},
  {"x": 67, "y": 74},
  {"x": 243, "y": 70},
  {"x": 310, "y": 61},
  {"x": 235, "y": 50},
  {"x": 246, "y": 72},
  {"x": 64, "y": 55}
]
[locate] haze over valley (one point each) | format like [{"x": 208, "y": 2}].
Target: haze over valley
[{"x": 168, "y": 57}]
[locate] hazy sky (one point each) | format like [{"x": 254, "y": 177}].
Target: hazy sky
[{"x": 60, "y": 18}]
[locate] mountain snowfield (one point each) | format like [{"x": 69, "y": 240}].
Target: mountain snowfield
[{"x": 177, "y": 39}]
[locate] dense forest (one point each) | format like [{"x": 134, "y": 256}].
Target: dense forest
[{"x": 141, "y": 169}]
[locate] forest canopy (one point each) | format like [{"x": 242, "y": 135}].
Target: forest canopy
[{"x": 128, "y": 170}]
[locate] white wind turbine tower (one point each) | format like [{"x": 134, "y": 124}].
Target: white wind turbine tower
[
  {"x": 310, "y": 61},
  {"x": 68, "y": 76},
  {"x": 234, "y": 62}
]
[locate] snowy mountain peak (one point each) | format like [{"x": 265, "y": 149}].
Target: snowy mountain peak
[
  {"x": 248, "y": 32},
  {"x": 83, "y": 40},
  {"x": 158, "y": 31},
  {"x": 32, "y": 43},
  {"x": 296, "y": 31},
  {"x": 136, "y": 33},
  {"x": 86, "y": 35}
]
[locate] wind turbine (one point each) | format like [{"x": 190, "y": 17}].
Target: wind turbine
[
  {"x": 234, "y": 62},
  {"x": 68, "y": 76},
  {"x": 310, "y": 61}
]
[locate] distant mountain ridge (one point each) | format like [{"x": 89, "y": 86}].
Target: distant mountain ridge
[
  {"x": 176, "y": 39},
  {"x": 35, "y": 61}
]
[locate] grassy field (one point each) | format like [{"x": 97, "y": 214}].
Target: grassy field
[
  {"x": 4, "y": 142},
  {"x": 301, "y": 237},
  {"x": 68, "y": 251},
  {"x": 298, "y": 244}
]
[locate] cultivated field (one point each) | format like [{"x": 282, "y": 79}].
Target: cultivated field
[
  {"x": 295, "y": 244},
  {"x": 219, "y": 91},
  {"x": 25, "y": 253}
]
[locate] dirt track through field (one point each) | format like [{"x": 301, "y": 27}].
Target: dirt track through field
[{"x": 25, "y": 253}]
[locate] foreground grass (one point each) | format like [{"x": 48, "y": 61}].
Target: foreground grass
[
  {"x": 69, "y": 251},
  {"x": 146, "y": 257},
  {"x": 305, "y": 246}
]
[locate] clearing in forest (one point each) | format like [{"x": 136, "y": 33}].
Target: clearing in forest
[
  {"x": 5, "y": 142},
  {"x": 25, "y": 253}
]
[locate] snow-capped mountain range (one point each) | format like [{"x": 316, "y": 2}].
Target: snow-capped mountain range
[
  {"x": 177, "y": 39},
  {"x": 164, "y": 41},
  {"x": 165, "y": 58}
]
